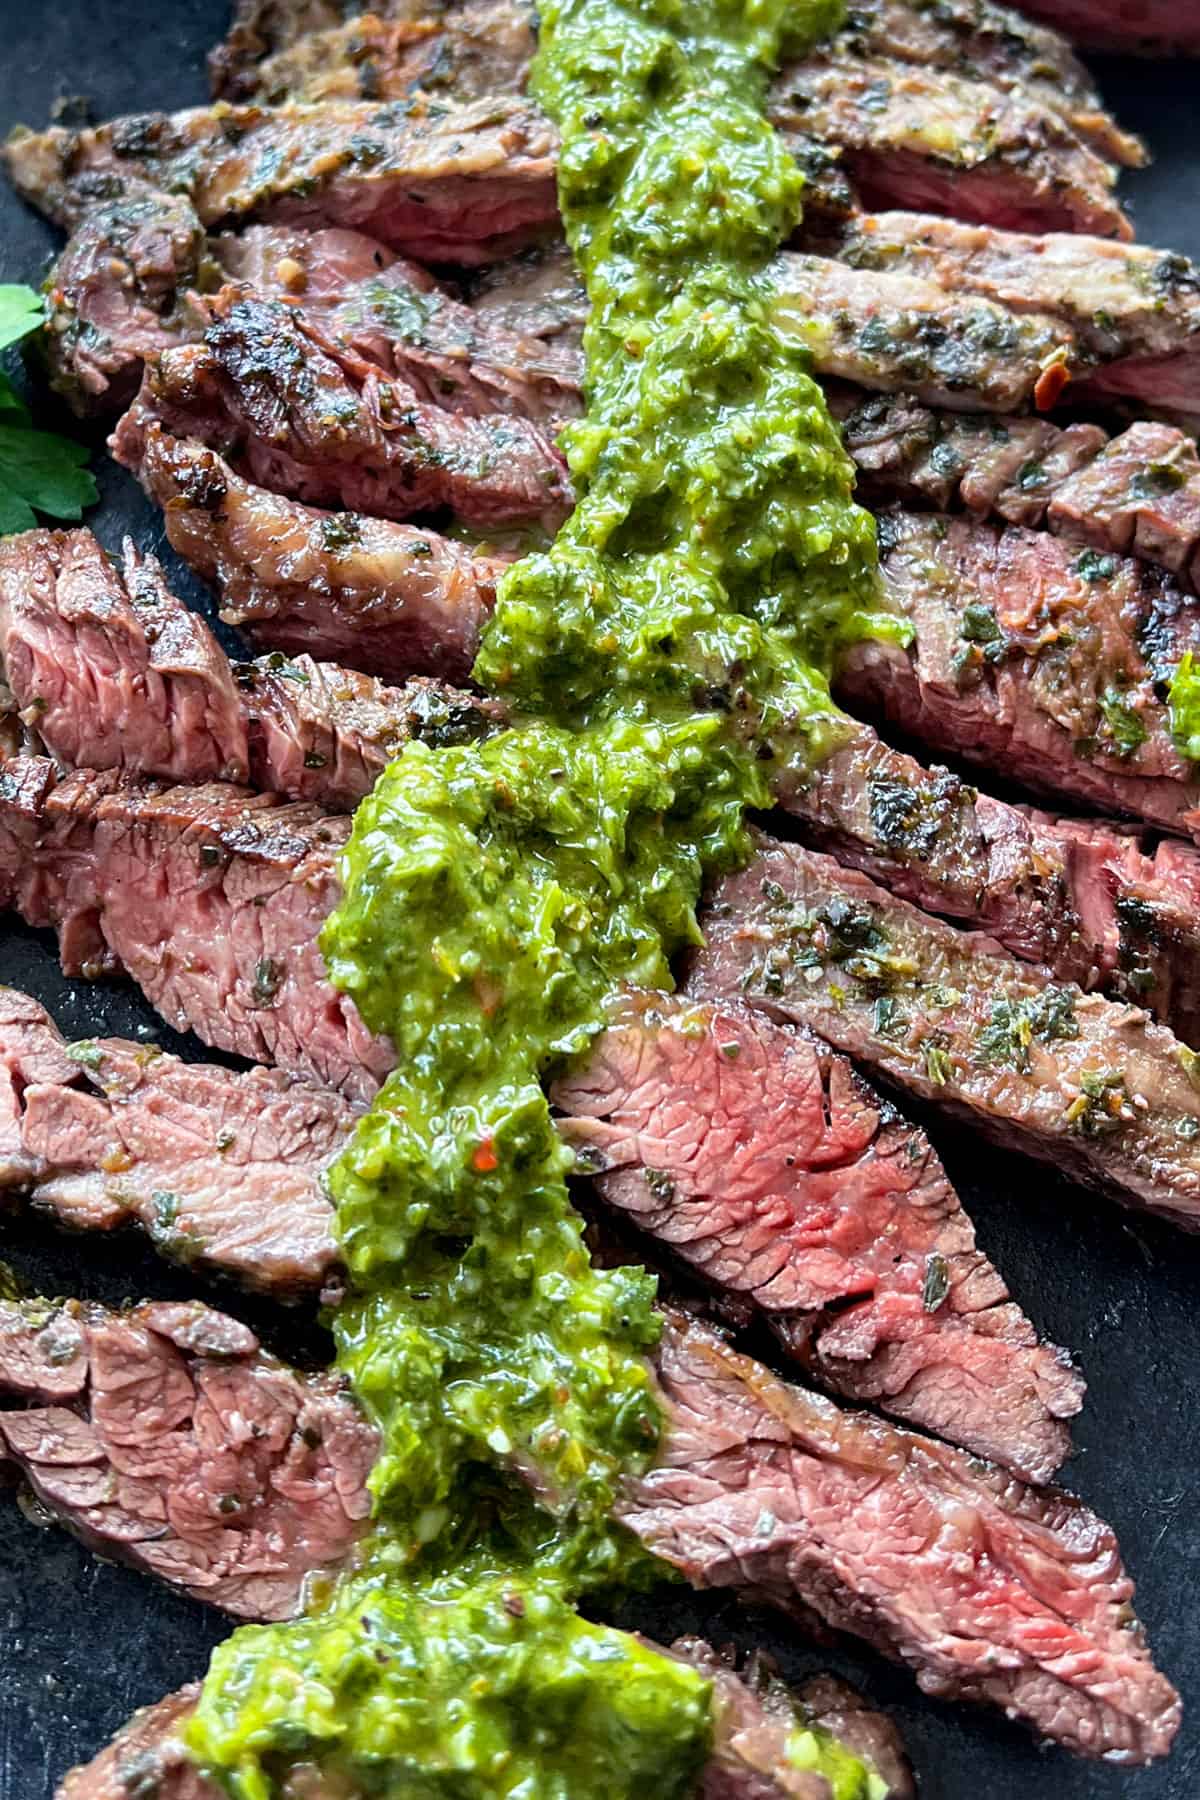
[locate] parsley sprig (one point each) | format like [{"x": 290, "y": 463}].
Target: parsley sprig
[{"x": 38, "y": 469}]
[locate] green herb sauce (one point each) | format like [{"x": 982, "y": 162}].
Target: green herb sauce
[{"x": 663, "y": 658}]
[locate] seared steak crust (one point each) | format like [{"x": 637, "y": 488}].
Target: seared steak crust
[
  {"x": 218, "y": 1168},
  {"x": 1034, "y": 657},
  {"x": 166, "y": 1437},
  {"x": 1089, "y": 1084},
  {"x": 383, "y": 597},
  {"x": 312, "y": 419},
  {"x": 210, "y": 898},
  {"x": 987, "y": 1589},
  {"x": 764, "y": 1163}
]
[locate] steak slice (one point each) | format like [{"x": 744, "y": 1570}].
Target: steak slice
[
  {"x": 119, "y": 674},
  {"x": 1140, "y": 27},
  {"x": 1079, "y": 897},
  {"x": 988, "y": 1590},
  {"x": 460, "y": 184},
  {"x": 1133, "y": 311},
  {"x": 756, "y": 1719},
  {"x": 209, "y": 898},
  {"x": 167, "y": 1438},
  {"x": 940, "y": 142},
  {"x": 219, "y": 1168},
  {"x": 1037, "y": 659},
  {"x": 383, "y": 597},
  {"x": 763, "y": 1162},
  {"x": 1086, "y": 1083},
  {"x": 118, "y": 295},
  {"x": 312, "y": 419}
]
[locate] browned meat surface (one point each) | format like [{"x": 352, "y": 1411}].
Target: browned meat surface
[
  {"x": 210, "y": 898},
  {"x": 119, "y": 674},
  {"x": 219, "y": 1168},
  {"x": 148, "y": 1753},
  {"x": 987, "y": 1589},
  {"x": 393, "y": 313},
  {"x": 118, "y": 294},
  {"x": 167, "y": 1438},
  {"x": 940, "y": 142},
  {"x": 537, "y": 293},
  {"x": 1145, "y": 27},
  {"x": 382, "y": 597},
  {"x": 763, "y": 1162},
  {"x": 1089, "y": 1084},
  {"x": 459, "y": 184},
  {"x": 1081, "y": 898},
  {"x": 1133, "y": 312},
  {"x": 310, "y": 418},
  {"x": 1048, "y": 663}
]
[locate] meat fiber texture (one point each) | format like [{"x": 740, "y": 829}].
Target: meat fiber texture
[
  {"x": 168, "y": 1438},
  {"x": 1089, "y": 1084},
  {"x": 763, "y": 1162}
]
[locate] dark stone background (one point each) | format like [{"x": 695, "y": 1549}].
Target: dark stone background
[{"x": 82, "y": 1643}]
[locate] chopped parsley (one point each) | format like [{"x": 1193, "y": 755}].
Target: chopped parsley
[{"x": 40, "y": 472}]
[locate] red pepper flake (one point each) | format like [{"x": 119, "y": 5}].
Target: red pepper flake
[{"x": 485, "y": 1158}]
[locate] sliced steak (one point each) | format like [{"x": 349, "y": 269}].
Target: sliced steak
[
  {"x": 118, "y": 295},
  {"x": 460, "y": 184},
  {"x": 210, "y": 898},
  {"x": 219, "y": 1168},
  {"x": 1086, "y": 1083},
  {"x": 392, "y": 312},
  {"x": 1081, "y": 898},
  {"x": 382, "y": 597},
  {"x": 940, "y": 142},
  {"x": 311, "y": 419},
  {"x": 119, "y": 674},
  {"x": 1134, "y": 312},
  {"x": 1047, "y": 663},
  {"x": 988, "y": 1590},
  {"x": 1143, "y": 27},
  {"x": 165, "y": 1437},
  {"x": 147, "y": 1753},
  {"x": 764, "y": 1163}
]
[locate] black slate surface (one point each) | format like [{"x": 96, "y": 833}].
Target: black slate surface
[{"x": 82, "y": 1643}]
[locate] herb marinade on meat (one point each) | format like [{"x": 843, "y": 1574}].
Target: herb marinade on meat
[{"x": 659, "y": 656}]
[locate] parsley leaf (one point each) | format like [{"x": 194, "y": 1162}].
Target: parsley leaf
[{"x": 38, "y": 469}]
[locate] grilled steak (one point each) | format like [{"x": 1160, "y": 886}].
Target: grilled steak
[
  {"x": 755, "y": 1721},
  {"x": 461, "y": 185},
  {"x": 1034, "y": 657},
  {"x": 382, "y": 597},
  {"x": 1134, "y": 312},
  {"x": 312, "y": 419},
  {"x": 1091, "y": 1085},
  {"x": 167, "y": 1438},
  {"x": 210, "y": 898},
  {"x": 119, "y": 674},
  {"x": 1146, "y": 27},
  {"x": 118, "y": 295},
  {"x": 764, "y": 1163},
  {"x": 1079, "y": 897},
  {"x": 987, "y": 1590},
  {"x": 219, "y": 1168}
]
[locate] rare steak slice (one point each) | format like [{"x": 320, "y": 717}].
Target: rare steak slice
[
  {"x": 1047, "y": 663},
  {"x": 1140, "y": 27},
  {"x": 767, "y": 1166},
  {"x": 166, "y": 1437},
  {"x": 386, "y": 598},
  {"x": 314, "y": 420},
  {"x": 1133, "y": 311},
  {"x": 210, "y": 898},
  {"x": 443, "y": 184},
  {"x": 1091, "y": 1085},
  {"x": 220, "y": 1168},
  {"x": 986, "y": 1589},
  {"x": 117, "y": 673},
  {"x": 1080, "y": 897}
]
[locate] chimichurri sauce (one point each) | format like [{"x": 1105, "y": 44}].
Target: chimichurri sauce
[{"x": 663, "y": 657}]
